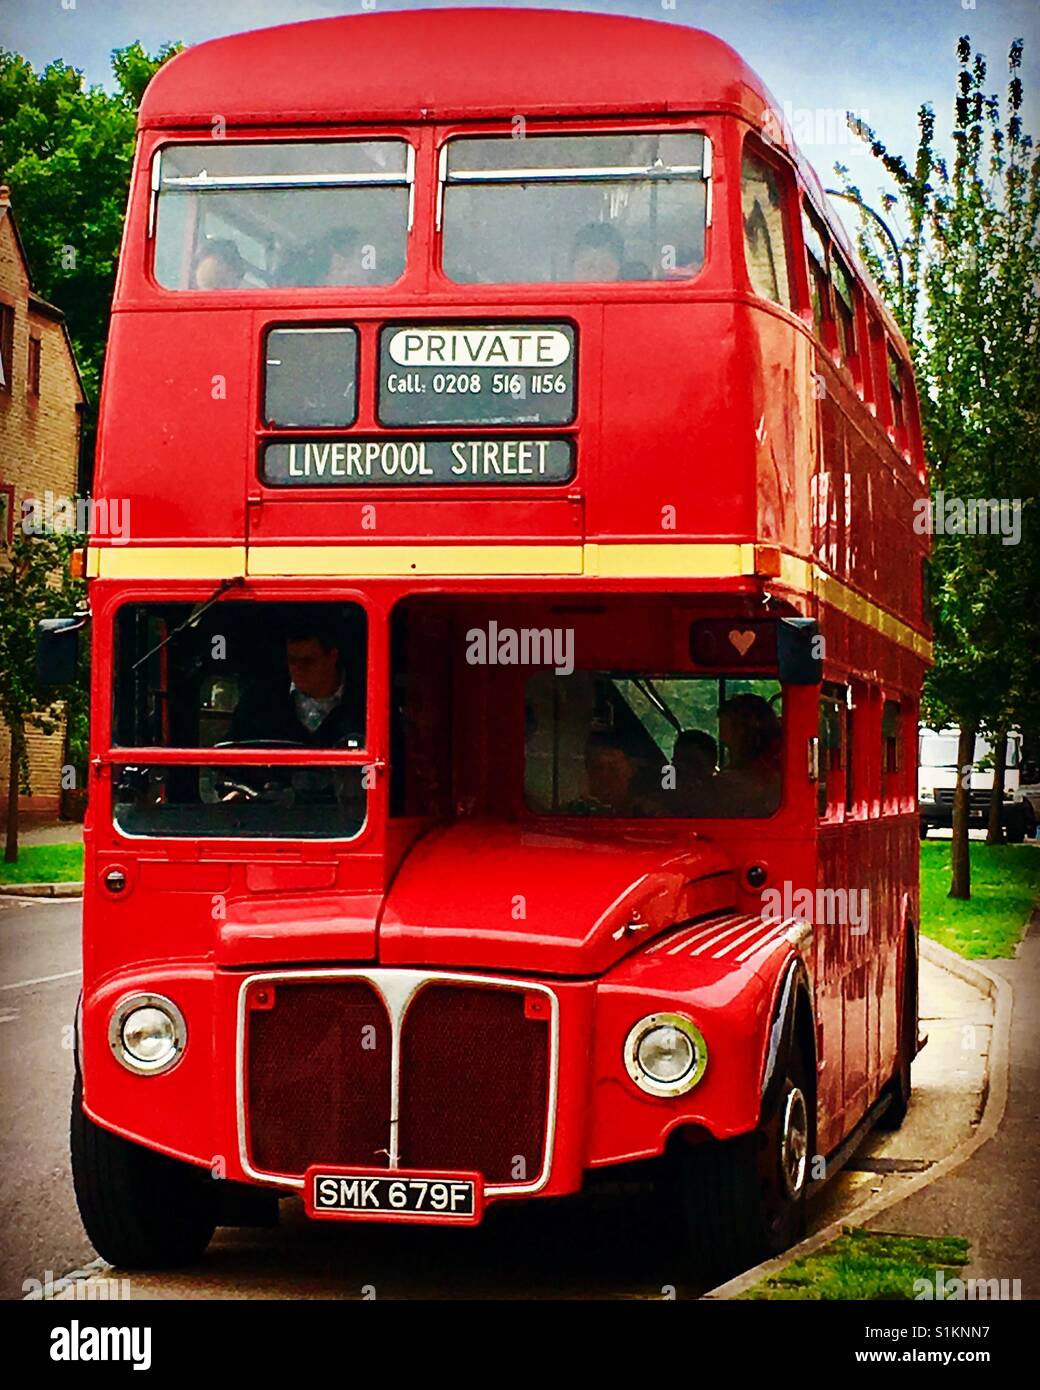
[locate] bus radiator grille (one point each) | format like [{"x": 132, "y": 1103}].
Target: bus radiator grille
[
  {"x": 319, "y": 1077},
  {"x": 474, "y": 1083}
]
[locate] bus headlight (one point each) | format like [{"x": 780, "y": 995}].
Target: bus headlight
[
  {"x": 665, "y": 1054},
  {"x": 147, "y": 1033}
]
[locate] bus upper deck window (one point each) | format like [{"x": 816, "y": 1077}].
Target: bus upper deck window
[
  {"x": 895, "y": 381},
  {"x": 765, "y": 230},
  {"x": 845, "y": 313},
  {"x": 574, "y": 208},
  {"x": 819, "y": 275},
  {"x": 272, "y": 216}
]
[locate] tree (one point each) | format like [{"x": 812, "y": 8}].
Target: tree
[
  {"x": 34, "y": 584},
  {"x": 66, "y": 151},
  {"x": 969, "y": 307}
]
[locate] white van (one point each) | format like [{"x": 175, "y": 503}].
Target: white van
[{"x": 937, "y": 778}]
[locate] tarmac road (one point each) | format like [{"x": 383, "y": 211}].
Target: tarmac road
[{"x": 610, "y": 1244}]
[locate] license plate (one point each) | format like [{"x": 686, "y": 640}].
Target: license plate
[{"x": 400, "y": 1195}]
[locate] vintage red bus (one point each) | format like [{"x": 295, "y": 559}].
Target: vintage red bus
[{"x": 504, "y": 704}]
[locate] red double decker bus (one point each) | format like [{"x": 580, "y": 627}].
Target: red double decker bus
[{"x": 504, "y": 703}]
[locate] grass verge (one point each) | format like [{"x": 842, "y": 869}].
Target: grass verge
[
  {"x": 866, "y": 1265},
  {"x": 45, "y": 864},
  {"x": 1005, "y": 883}
]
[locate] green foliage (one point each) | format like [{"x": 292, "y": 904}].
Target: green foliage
[
  {"x": 970, "y": 310},
  {"x": 34, "y": 584},
  {"x": 66, "y": 150}
]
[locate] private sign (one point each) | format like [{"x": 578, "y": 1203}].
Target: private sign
[{"x": 479, "y": 347}]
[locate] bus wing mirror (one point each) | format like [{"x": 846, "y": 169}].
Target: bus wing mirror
[
  {"x": 57, "y": 650},
  {"x": 799, "y": 651}
]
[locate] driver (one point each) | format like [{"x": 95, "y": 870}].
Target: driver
[{"x": 317, "y": 708}]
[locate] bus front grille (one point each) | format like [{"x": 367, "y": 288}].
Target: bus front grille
[
  {"x": 318, "y": 1076},
  {"x": 473, "y": 1083},
  {"x": 474, "y": 1067}
]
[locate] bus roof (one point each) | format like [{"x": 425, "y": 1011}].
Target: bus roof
[{"x": 448, "y": 64}]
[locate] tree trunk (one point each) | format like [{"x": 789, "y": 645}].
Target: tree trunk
[
  {"x": 960, "y": 863},
  {"x": 995, "y": 831},
  {"x": 14, "y": 782}
]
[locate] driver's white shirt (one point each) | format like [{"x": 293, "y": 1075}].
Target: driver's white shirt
[{"x": 311, "y": 710}]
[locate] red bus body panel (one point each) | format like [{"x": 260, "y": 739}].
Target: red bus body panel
[{"x": 701, "y": 442}]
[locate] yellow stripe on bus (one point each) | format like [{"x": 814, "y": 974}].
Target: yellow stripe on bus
[{"x": 663, "y": 560}]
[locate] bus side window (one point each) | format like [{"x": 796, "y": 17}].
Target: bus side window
[
  {"x": 766, "y": 232},
  {"x": 892, "y": 755},
  {"x": 880, "y": 393},
  {"x": 897, "y": 391},
  {"x": 851, "y": 756},
  {"x": 845, "y": 317},
  {"x": 819, "y": 278},
  {"x": 830, "y": 789}
]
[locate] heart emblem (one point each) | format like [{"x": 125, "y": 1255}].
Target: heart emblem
[{"x": 743, "y": 641}]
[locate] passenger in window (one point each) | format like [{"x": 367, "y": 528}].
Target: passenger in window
[
  {"x": 340, "y": 258},
  {"x": 750, "y": 732},
  {"x": 598, "y": 253},
  {"x": 610, "y": 771},
  {"x": 219, "y": 266},
  {"x": 619, "y": 782},
  {"x": 695, "y": 759}
]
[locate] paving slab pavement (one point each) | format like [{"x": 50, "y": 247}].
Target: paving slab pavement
[{"x": 991, "y": 1199}]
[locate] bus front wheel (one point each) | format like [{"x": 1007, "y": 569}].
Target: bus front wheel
[
  {"x": 140, "y": 1209},
  {"x": 743, "y": 1200}
]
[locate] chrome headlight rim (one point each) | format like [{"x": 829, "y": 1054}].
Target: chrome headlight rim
[
  {"x": 130, "y": 1004},
  {"x": 683, "y": 1024}
]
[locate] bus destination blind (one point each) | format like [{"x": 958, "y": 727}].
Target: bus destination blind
[{"x": 380, "y": 461}]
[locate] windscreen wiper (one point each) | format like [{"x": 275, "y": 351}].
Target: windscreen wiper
[{"x": 192, "y": 618}]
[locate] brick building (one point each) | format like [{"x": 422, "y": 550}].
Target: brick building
[{"x": 41, "y": 403}]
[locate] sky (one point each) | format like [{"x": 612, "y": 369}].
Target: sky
[{"x": 820, "y": 58}]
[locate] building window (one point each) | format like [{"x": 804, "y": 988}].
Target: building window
[
  {"x": 6, "y": 346},
  {"x": 6, "y": 513},
  {"x": 765, "y": 230},
  {"x": 32, "y": 371}
]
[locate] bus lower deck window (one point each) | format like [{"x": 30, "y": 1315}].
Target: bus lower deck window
[{"x": 628, "y": 744}]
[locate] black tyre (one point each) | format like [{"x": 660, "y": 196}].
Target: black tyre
[
  {"x": 140, "y": 1209},
  {"x": 924, "y": 831},
  {"x": 743, "y": 1200},
  {"x": 900, "y": 1086},
  {"x": 1015, "y": 829}
]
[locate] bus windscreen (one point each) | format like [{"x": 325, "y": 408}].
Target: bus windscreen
[{"x": 629, "y": 744}]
